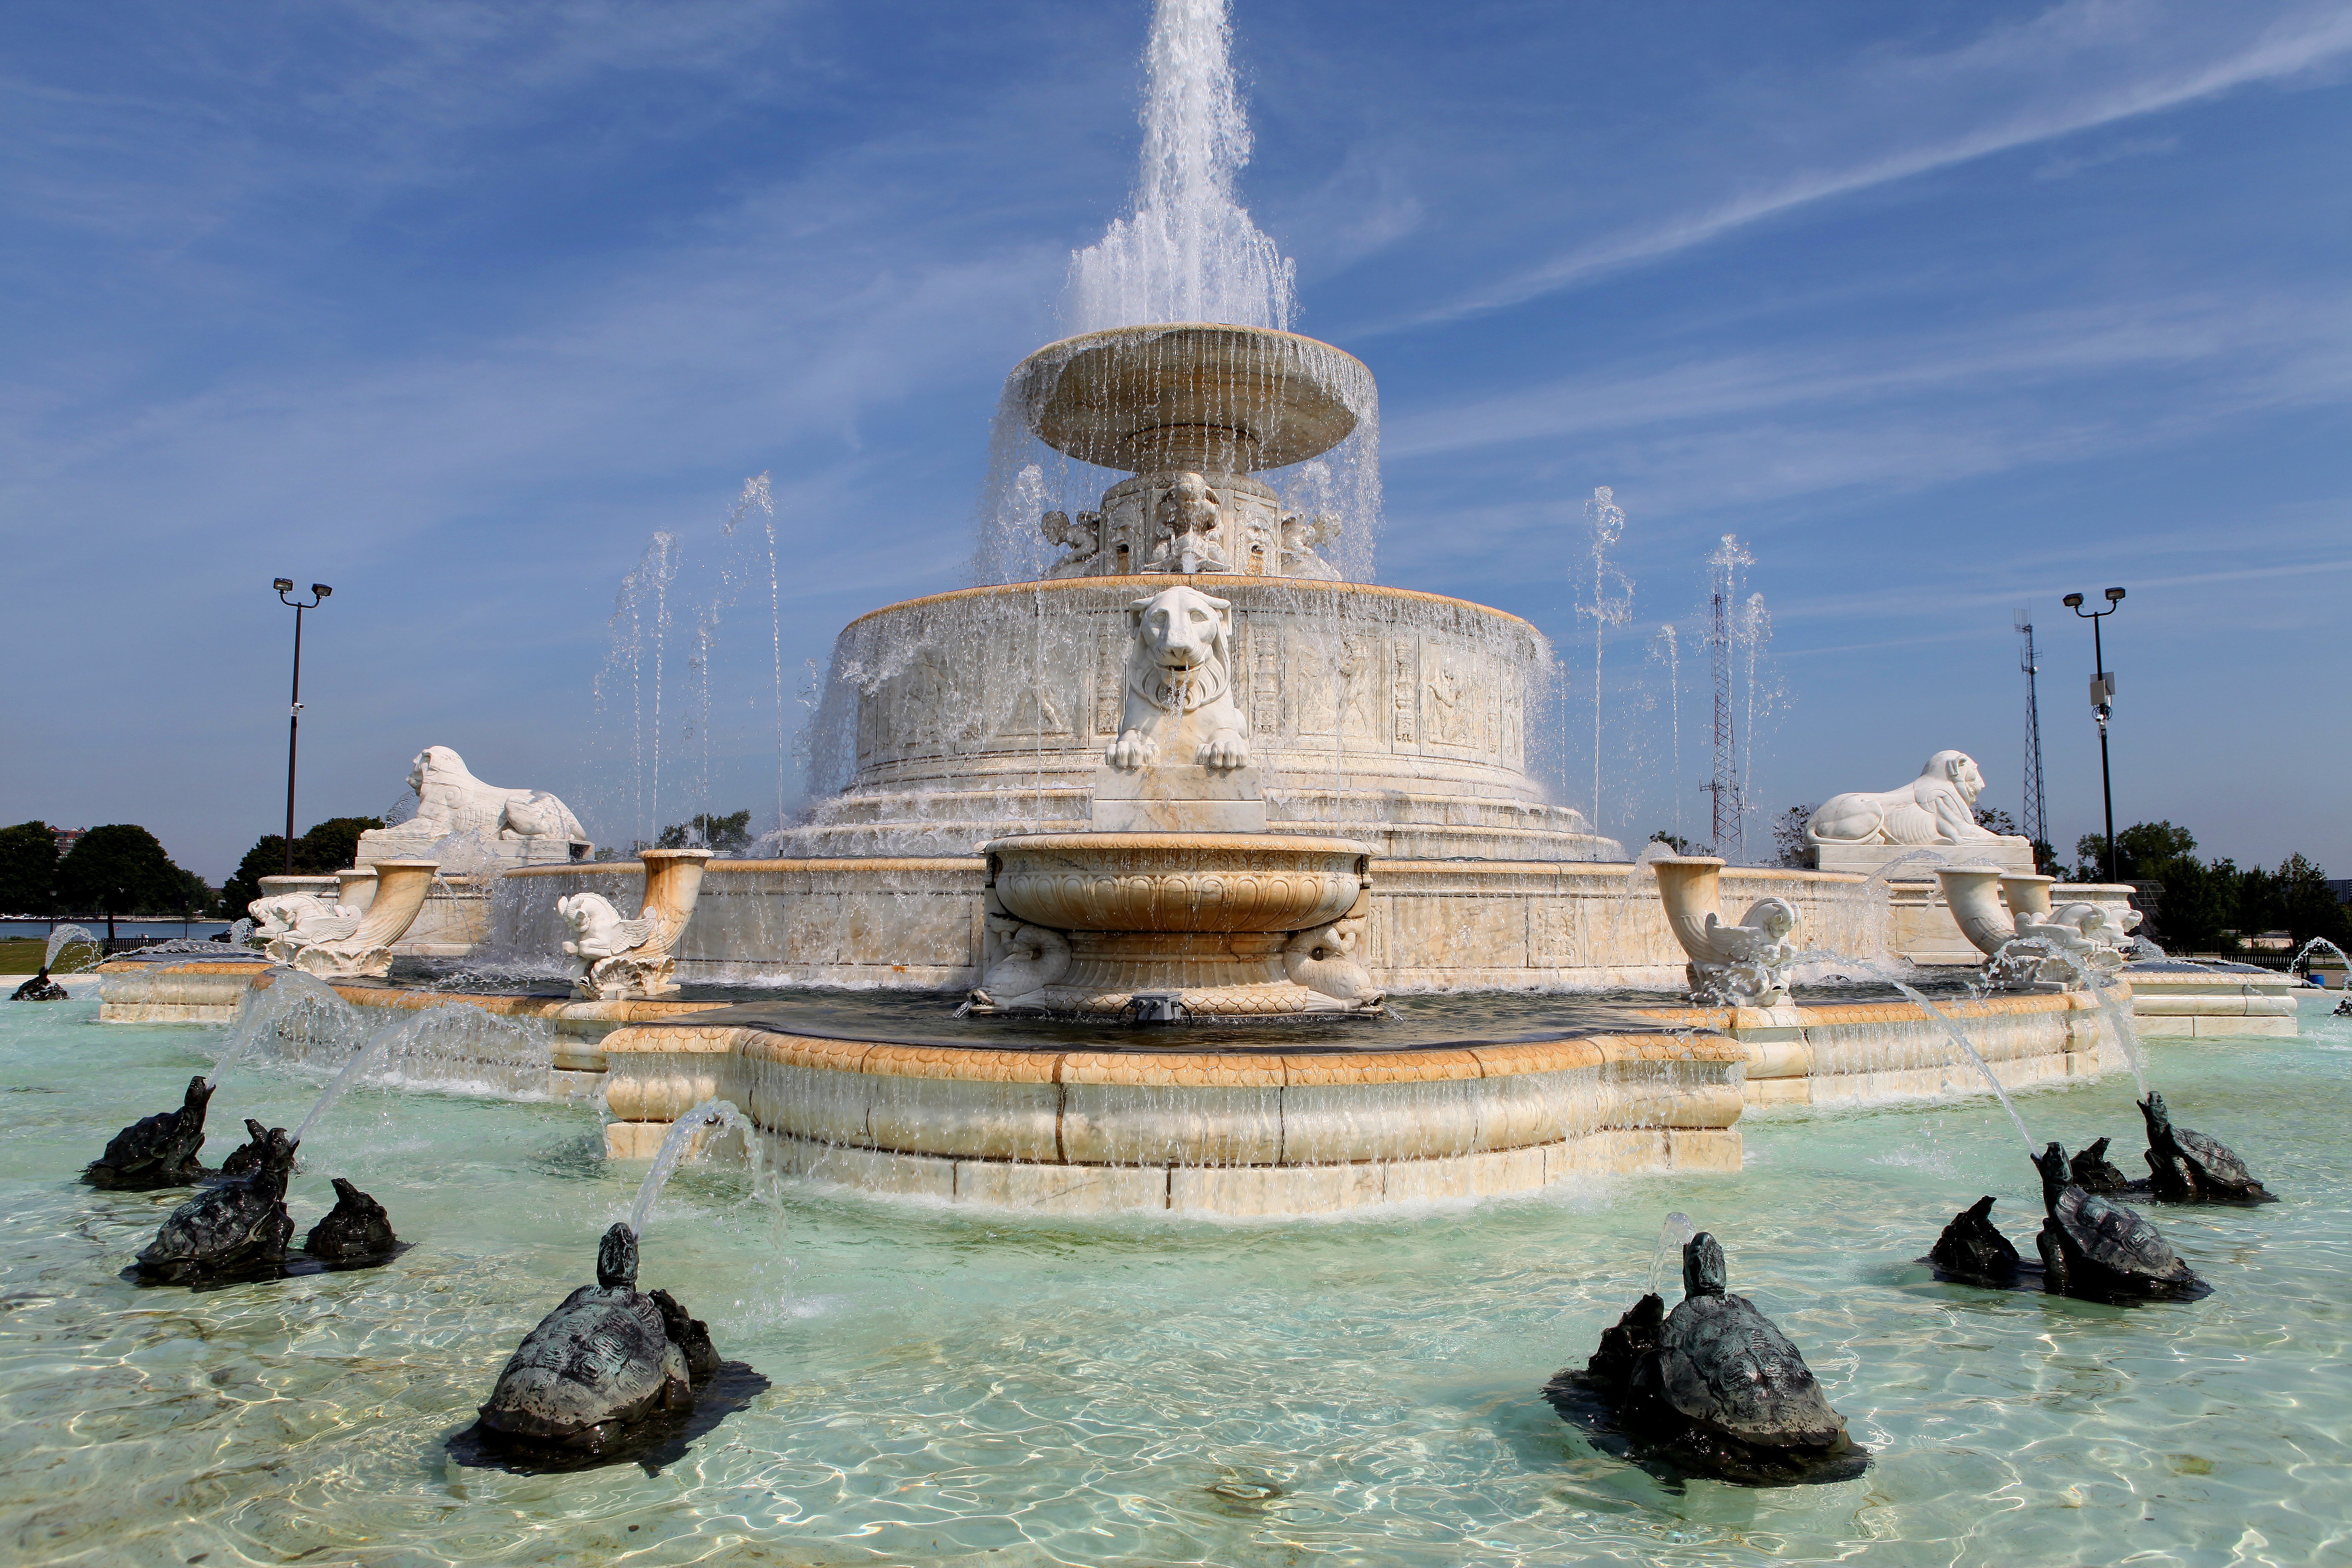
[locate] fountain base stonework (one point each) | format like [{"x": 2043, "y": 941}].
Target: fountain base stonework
[{"x": 1234, "y": 1132}]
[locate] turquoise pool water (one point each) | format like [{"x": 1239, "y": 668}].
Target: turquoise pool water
[{"x": 948, "y": 1387}]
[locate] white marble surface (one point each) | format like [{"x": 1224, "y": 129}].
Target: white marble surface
[
  {"x": 498, "y": 825},
  {"x": 1936, "y": 810}
]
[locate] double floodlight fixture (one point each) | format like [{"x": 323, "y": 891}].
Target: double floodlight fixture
[
  {"x": 285, "y": 585},
  {"x": 2102, "y": 703}
]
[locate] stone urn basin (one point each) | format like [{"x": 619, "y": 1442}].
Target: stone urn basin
[
  {"x": 1160, "y": 925},
  {"x": 1193, "y": 395}
]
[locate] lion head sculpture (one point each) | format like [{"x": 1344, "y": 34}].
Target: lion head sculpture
[{"x": 1179, "y": 688}]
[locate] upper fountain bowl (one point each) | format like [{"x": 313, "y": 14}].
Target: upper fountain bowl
[
  {"x": 1192, "y": 396},
  {"x": 1194, "y": 882}
]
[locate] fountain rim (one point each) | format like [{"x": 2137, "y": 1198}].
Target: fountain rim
[
  {"x": 1286, "y": 842},
  {"x": 1328, "y": 394},
  {"x": 1137, "y": 329},
  {"x": 1206, "y": 582}
]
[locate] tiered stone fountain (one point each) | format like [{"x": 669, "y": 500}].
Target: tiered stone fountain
[{"x": 1190, "y": 777}]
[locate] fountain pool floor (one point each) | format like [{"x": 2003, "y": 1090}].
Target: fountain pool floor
[{"x": 953, "y": 1387}]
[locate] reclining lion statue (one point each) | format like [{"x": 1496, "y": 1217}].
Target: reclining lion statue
[
  {"x": 1180, "y": 685},
  {"x": 450, "y": 799},
  {"x": 1936, "y": 807}
]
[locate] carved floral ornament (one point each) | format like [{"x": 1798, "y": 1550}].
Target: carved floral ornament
[{"x": 1189, "y": 522}]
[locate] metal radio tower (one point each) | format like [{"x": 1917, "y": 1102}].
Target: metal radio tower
[
  {"x": 2033, "y": 820},
  {"x": 1731, "y": 804}
]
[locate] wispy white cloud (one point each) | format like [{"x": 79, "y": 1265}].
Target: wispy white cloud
[{"x": 2080, "y": 65}]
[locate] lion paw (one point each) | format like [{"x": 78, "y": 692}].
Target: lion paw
[
  {"x": 1132, "y": 749},
  {"x": 1224, "y": 750}
]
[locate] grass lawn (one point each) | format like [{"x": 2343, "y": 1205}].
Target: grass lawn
[{"x": 22, "y": 955}]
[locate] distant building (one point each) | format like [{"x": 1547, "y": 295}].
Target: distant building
[
  {"x": 67, "y": 838},
  {"x": 2342, "y": 888}
]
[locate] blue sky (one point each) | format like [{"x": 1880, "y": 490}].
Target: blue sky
[{"x": 1943, "y": 310}]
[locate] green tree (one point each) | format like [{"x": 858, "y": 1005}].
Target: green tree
[
  {"x": 1674, "y": 841},
  {"x": 330, "y": 846},
  {"x": 120, "y": 869},
  {"x": 28, "y": 869},
  {"x": 2307, "y": 906},
  {"x": 266, "y": 858},
  {"x": 2142, "y": 852},
  {"x": 1789, "y": 835},
  {"x": 702, "y": 831}
]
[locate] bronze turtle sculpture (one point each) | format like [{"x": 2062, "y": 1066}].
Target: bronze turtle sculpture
[
  {"x": 246, "y": 1157},
  {"x": 41, "y": 988},
  {"x": 157, "y": 1151},
  {"x": 236, "y": 1228},
  {"x": 2095, "y": 1247},
  {"x": 608, "y": 1358},
  {"x": 356, "y": 1230},
  {"x": 2093, "y": 1172},
  {"x": 2186, "y": 1166},
  {"x": 1714, "y": 1388},
  {"x": 1972, "y": 1249}
]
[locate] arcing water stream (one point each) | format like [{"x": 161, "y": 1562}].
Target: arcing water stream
[
  {"x": 711, "y": 1117},
  {"x": 1969, "y": 1052}
]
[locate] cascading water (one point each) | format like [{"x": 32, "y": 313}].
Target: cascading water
[
  {"x": 2300, "y": 953},
  {"x": 1755, "y": 635},
  {"x": 293, "y": 1004},
  {"x": 757, "y": 495},
  {"x": 1961, "y": 1040},
  {"x": 300, "y": 1021},
  {"x": 370, "y": 1050},
  {"x": 640, "y": 633}
]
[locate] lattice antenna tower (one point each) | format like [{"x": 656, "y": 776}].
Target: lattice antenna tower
[
  {"x": 2033, "y": 818},
  {"x": 1730, "y": 814}
]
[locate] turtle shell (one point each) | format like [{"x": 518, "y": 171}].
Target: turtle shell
[
  {"x": 157, "y": 1150},
  {"x": 356, "y": 1229},
  {"x": 2216, "y": 1164},
  {"x": 1722, "y": 1364},
  {"x": 2093, "y": 1172},
  {"x": 238, "y": 1225},
  {"x": 597, "y": 1363},
  {"x": 2117, "y": 1237}
]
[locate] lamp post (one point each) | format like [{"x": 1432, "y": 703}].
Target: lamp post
[
  {"x": 319, "y": 591},
  {"x": 2102, "y": 702}
]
